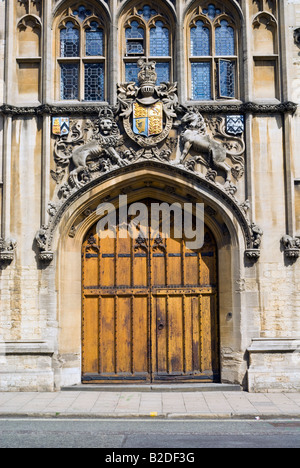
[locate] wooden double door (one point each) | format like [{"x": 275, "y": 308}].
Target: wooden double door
[{"x": 149, "y": 310}]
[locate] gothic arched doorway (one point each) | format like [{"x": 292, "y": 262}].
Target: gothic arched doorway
[{"x": 150, "y": 311}]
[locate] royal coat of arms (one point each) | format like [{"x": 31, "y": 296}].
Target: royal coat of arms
[
  {"x": 147, "y": 109},
  {"x": 148, "y": 121}
]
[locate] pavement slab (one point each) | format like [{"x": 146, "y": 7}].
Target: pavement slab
[{"x": 150, "y": 404}]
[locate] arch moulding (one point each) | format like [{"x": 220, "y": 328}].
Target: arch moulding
[{"x": 73, "y": 222}]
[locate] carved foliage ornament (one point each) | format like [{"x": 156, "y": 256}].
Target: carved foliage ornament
[{"x": 148, "y": 124}]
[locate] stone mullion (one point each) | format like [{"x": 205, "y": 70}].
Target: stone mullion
[
  {"x": 9, "y": 89},
  {"x": 113, "y": 56},
  {"x": 47, "y": 90},
  {"x": 284, "y": 59},
  {"x": 6, "y": 168},
  {"x": 179, "y": 55}
]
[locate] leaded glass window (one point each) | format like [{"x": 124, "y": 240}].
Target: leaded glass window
[
  {"x": 225, "y": 42},
  {"x": 147, "y": 12},
  {"x": 94, "y": 81},
  {"x": 69, "y": 41},
  {"x": 147, "y": 33},
  {"x": 163, "y": 73},
  {"x": 94, "y": 41},
  {"x": 226, "y": 78},
  {"x": 131, "y": 72},
  {"x": 69, "y": 81},
  {"x": 82, "y": 57},
  {"x": 135, "y": 39},
  {"x": 159, "y": 40},
  {"x": 213, "y": 61},
  {"x": 201, "y": 81},
  {"x": 200, "y": 40}
]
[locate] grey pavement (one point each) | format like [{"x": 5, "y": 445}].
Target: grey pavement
[{"x": 134, "y": 404}]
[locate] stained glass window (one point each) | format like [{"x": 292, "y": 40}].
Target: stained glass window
[
  {"x": 200, "y": 40},
  {"x": 94, "y": 41},
  {"x": 226, "y": 78},
  {"x": 135, "y": 39},
  {"x": 82, "y": 13},
  {"x": 69, "y": 41},
  {"x": 212, "y": 42},
  {"x": 82, "y": 39},
  {"x": 163, "y": 72},
  {"x": 201, "y": 81},
  {"x": 69, "y": 81},
  {"x": 211, "y": 11},
  {"x": 225, "y": 39},
  {"x": 94, "y": 81},
  {"x": 131, "y": 72},
  {"x": 147, "y": 34},
  {"x": 159, "y": 40},
  {"x": 147, "y": 12}
]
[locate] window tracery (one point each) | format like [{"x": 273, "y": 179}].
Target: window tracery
[
  {"x": 81, "y": 58},
  {"x": 212, "y": 44},
  {"x": 147, "y": 32}
]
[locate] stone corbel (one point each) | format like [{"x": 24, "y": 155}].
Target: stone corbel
[
  {"x": 291, "y": 246},
  {"x": 7, "y": 251},
  {"x": 42, "y": 239},
  {"x": 253, "y": 253}
]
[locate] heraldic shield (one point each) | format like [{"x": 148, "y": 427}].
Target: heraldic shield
[
  {"x": 148, "y": 120},
  {"x": 147, "y": 109}
]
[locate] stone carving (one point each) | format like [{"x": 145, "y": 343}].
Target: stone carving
[
  {"x": 147, "y": 110},
  {"x": 197, "y": 138},
  {"x": 103, "y": 144},
  {"x": 42, "y": 239},
  {"x": 257, "y": 234},
  {"x": 291, "y": 246},
  {"x": 7, "y": 250},
  {"x": 253, "y": 253},
  {"x": 146, "y": 127},
  {"x": 297, "y": 36}
]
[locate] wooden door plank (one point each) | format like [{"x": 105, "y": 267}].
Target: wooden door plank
[
  {"x": 107, "y": 335},
  {"x": 123, "y": 335},
  {"x": 90, "y": 332}
]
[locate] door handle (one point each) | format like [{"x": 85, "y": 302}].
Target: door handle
[{"x": 160, "y": 326}]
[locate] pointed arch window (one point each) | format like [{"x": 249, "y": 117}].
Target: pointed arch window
[
  {"x": 213, "y": 59},
  {"x": 81, "y": 57},
  {"x": 147, "y": 33}
]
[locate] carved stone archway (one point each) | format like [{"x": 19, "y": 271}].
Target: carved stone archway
[{"x": 79, "y": 215}]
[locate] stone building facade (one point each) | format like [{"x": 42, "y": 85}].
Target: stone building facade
[{"x": 80, "y": 83}]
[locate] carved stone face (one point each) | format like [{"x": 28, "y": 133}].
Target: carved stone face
[{"x": 106, "y": 126}]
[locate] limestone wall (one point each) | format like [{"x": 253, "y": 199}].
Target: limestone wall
[{"x": 260, "y": 301}]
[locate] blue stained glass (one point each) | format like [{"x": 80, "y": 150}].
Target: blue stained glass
[
  {"x": 69, "y": 41},
  {"x": 147, "y": 12},
  {"x": 225, "y": 43},
  {"x": 135, "y": 39},
  {"x": 131, "y": 72},
  {"x": 135, "y": 31},
  {"x": 201, "y": 81},
  {"x": 82, "y": 12},
  {"x": 69, "y": 81},
  {"x": 211, "y": 11},
  {"x": 159, "y": 40},
  {"x": 163, "y": 72},
  {"x": 226, "y": 78},
  {"x": 94, "y": 81},
  {"x": 94, "y": 41},
  {"x": 200, "y": 40}
]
